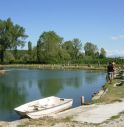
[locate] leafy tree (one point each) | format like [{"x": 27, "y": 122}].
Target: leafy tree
[
  {"x": 40, "y": 56},
  {"x": 34, "y": 54},
  {"x": 88, "y": 59},
  {"x": 18, "y": 35},
  {"x": 69, "y": 48},
  {"x": 11, "y": 36},
  {"x": 90, "y": 49},
  {"x": 102, "y": 53},
  {"x": 25, "y": 58},
  {"x": 73, "y": 49},
  {"x": 4, "y": 37},
  {"x": 30, "y": 49},
  {"x": 77, "y": 46},
  {"x": 48, "y": 47},
  {"x": 63, "y": 56},
  {"x": 97, "y": 54},
  {"x": 81, "y": 57},
  {"x": 9, "y": 58}
]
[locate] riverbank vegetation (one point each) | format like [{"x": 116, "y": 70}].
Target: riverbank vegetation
[
  {"x": 50, "y": 48},
  {"x": 54, "y": 66},
  {"x": 114, "y": 93}
]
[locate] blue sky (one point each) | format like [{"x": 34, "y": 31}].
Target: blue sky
[{"x": 98, "y": 21}]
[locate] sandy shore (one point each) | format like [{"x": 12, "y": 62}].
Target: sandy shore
[
  {"x": 111, "y": 123},
  {"x": 93, "y": 113},
  {"x": 85, "y": 116}
]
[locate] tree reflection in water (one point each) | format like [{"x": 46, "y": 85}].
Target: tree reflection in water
[{"x": 19, "y": 86}]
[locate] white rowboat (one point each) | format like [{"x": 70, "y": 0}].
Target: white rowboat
[{"x": 44, "y": 107}]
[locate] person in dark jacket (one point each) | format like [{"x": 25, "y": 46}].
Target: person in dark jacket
[{"x": 110, "y": 71}]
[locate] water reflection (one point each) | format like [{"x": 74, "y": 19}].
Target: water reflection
[
  {"x": 11, "y": 96},
  {"x": 19, "y": 86},
  {"x": 54, "y": 86},
  {"x": 49, "y": 87}
]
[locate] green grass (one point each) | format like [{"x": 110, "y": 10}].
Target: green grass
[
  {"x": 116, "y": 116},
  {"x": 113, "y": 94},
  {"x": 54, "y": 66},
  {"x": 46, "y": 121}
]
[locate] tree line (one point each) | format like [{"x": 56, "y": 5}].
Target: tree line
[{"x": 50, "y": 49}]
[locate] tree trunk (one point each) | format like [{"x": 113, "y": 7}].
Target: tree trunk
[
  {"x": 2, "y": 56},
  {"x": 15, "y": 52}
]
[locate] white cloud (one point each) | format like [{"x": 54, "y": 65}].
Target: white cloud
[
  {"x": 114, "y": 38},
  {"x": 121, "y": 36},
  {"x": 117, "y": 37},
  {"x": 115, "y": 53}
]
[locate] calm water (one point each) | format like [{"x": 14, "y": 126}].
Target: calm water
[{"x": 19, "y": 86}]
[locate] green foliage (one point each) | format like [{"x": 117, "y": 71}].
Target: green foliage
[
  {"x": 69, "y": 50},
  {"x": 34, "y": 55},
  {"x": 25, "y": 58},
  {"x": 29, "y": 47},
  {"x": 11, "y": 36},
  {"x": 90, "y": 49},
  {"x": 30, "y": 50},
  {"x": 9, "y": 57},
  {"x": 72, "y": 49},
  {"x": 102, "y": 53},
  {"x": 77, "y": 46},
  {"x": 48, "y": 47}
]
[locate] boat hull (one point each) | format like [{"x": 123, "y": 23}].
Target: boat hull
[
  {"x": 44, "y": 107},
  {"x": 50, "y": 111}
]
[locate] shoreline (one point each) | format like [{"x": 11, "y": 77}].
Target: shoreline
[
  {"x": 86, "y": 116},
  {"x": 56, "y": 66},
  {"x": 77, "y": 114}
]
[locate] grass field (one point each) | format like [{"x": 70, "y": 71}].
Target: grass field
[{"x": 113, "y": 94}]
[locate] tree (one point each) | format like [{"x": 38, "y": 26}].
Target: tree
[
  {"x": 63, "y": 56},
  {"x": 18, "y": 37},
  {"x": 11, "y": 36},
  {"x": 40, "y": 52},
  {"x": 34, "y": 54},
  {"x": 48, "y": 47},
  {"x": 5, "y": 36},
  {"x": 30, "y": 50},
  {"x": 90, "y": 49},
  {"x": 102, "y": 53},
  {"x": 97, "y": 54},
  {"x": 81, "y": 57},
  {"x": 9, "y": 58},
  {"x": 68, "y": 46},
  {"x": 77, "y": 47}
]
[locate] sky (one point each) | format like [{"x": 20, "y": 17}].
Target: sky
[{"x": 100, "y": 22}]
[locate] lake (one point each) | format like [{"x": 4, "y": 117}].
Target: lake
[{"x": 19, "y": 86}]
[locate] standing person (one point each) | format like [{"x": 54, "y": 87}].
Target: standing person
[
  {"x": 114, "y": 69},
  {"x": 110, "y": 71}
]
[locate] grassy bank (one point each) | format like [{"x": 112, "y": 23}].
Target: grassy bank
[
  {"x": 113, "y": 94},
  {"x": 55, "y": 66}
]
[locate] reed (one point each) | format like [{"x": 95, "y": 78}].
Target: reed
[{"x": 54, "y": 66}]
